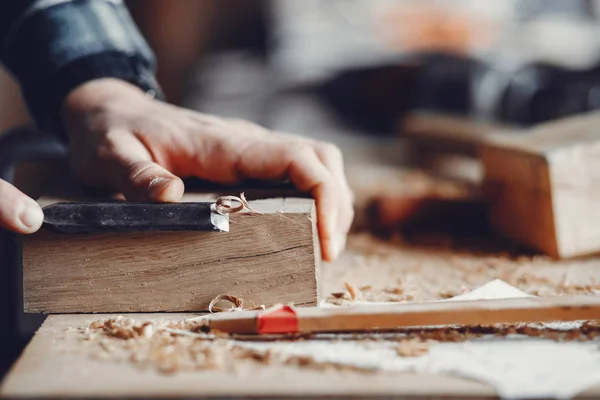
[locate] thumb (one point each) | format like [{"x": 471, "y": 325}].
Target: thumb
[
  {"x": 18, "y": 212},
  {"x": 145, "y": 180}
]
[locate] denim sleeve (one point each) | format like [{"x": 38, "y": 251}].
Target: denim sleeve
[{"x": 52, "y": 46}]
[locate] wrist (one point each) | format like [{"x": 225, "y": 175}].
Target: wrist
[
  {"x": 47, "y": 98},
  {"x": 85, "y": 103},
  {"x": 96, "y": 94}
]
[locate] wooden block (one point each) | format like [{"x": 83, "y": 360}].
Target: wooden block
[
  {"x": 544, "y": 185},
  {"x": 265, "y": 259}
]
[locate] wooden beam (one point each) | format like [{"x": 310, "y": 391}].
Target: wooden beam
[
  {"x": 544, "y": 185},
  {"x": 264, "y": 259},
  {"x": 388, "y": 317},
  {"x": 431, "y": 131}
]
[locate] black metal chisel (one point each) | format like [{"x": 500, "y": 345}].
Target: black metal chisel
[{"x": 117, "y": 217}]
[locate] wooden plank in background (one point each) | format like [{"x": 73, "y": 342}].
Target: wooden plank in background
[
  {"x": 544, "y": 185},
  {"x": 542, "y": 182},
  {"x": 266, "y": 259}
]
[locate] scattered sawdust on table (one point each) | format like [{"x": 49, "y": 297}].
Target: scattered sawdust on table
[
  {"x": 394, "y": 269},
  {"x": 402, "y": 270},
  {"x": 412, "y": 348},
  {"x": 171, "y": 347}
]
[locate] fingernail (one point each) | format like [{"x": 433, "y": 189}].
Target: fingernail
[
  {"x": 157, "y": 186},
  {"x": 32, "y": 215}
]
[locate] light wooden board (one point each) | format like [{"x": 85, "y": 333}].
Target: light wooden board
[
  {"x": 542, "y": 182},
  {"x": 59, "y": 364},
  {"x": 265, "y": 259},
  {"x": 544, "y": 185},
  {"x": 54, "y": 366}
]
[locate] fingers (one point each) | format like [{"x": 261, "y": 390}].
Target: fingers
[
  {"x": 274, "y": 159},
  {"x": 144, "y": 180},
  {"x": 332, "y": 158},
  {"x": 124, "y": 164},
  {"x": 309, "y": 174},
  {"x": 18, "y": 212}
]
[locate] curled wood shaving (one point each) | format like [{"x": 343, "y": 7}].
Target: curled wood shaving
[
  {"x": 224, "y": 206},
  {"x": 237, "y": 302},
  {"x": 351, "y": 290}
]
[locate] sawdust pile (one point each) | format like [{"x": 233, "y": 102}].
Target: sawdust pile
[
  {"x": 171, "y": 347},
  {"x": 399, "y": 271}
]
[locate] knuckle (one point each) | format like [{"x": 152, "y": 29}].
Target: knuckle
[
  {"x": 137, "y": 171},
  {"x": 299, "y": 152},
  {"x": 329, "y": 150},
  {"x": 247, "y": 126},
  {"x": 302, "y": 149}
]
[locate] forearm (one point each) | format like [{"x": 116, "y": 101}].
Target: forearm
[{"x": 53, "y": 46}]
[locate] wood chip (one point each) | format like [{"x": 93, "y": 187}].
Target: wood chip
[
  {"x": 236, "y": 302},
  {"x": 352, "y": 291},
  {"x": 412, "y": 348},
  {"x": 396, "y": 290}
]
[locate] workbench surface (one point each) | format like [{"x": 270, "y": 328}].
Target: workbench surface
[
  {"x": 423, "y": 267},
  {"x": 58, "y": 362}
]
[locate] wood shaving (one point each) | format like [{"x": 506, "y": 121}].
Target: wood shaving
[
  {"x": 223, "y": 205},
  {"x": 412, "y": 348},
  {"x": 177, "y": 346},
  {"x": 396, "y": 290},
  {"x": 237, "y": 304},
  {"x": 352, "y": 291}
]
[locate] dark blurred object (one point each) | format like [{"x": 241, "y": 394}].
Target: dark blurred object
[
  {"x": 18, "y": 146},
  {"x": 375, "y": 99},
  {"x": 411, "y": 215},
  {"x": 543, "y": 92}
]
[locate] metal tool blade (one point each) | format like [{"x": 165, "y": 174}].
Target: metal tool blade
[{"x": 105, "y": 217}]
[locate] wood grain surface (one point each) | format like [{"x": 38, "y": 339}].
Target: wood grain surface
[
  {"x": 543, "y": 185},
  {"x": 264, "y": 259}
]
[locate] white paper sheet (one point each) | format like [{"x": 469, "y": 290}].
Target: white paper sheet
[{"x": 516, "y": 366}]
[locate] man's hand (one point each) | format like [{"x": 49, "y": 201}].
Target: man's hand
[
  {"x": 122, "y": 139},
  {"x": 18, "y": 212}
]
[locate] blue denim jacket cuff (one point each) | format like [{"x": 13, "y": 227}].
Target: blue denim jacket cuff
[
  {"x": 57, "y": 45},
  {"x": 45, "y": 98}
]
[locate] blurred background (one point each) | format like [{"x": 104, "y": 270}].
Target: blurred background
[
  {"x": 346, "y": 70},
  {"x": 361, "y": 73}
]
